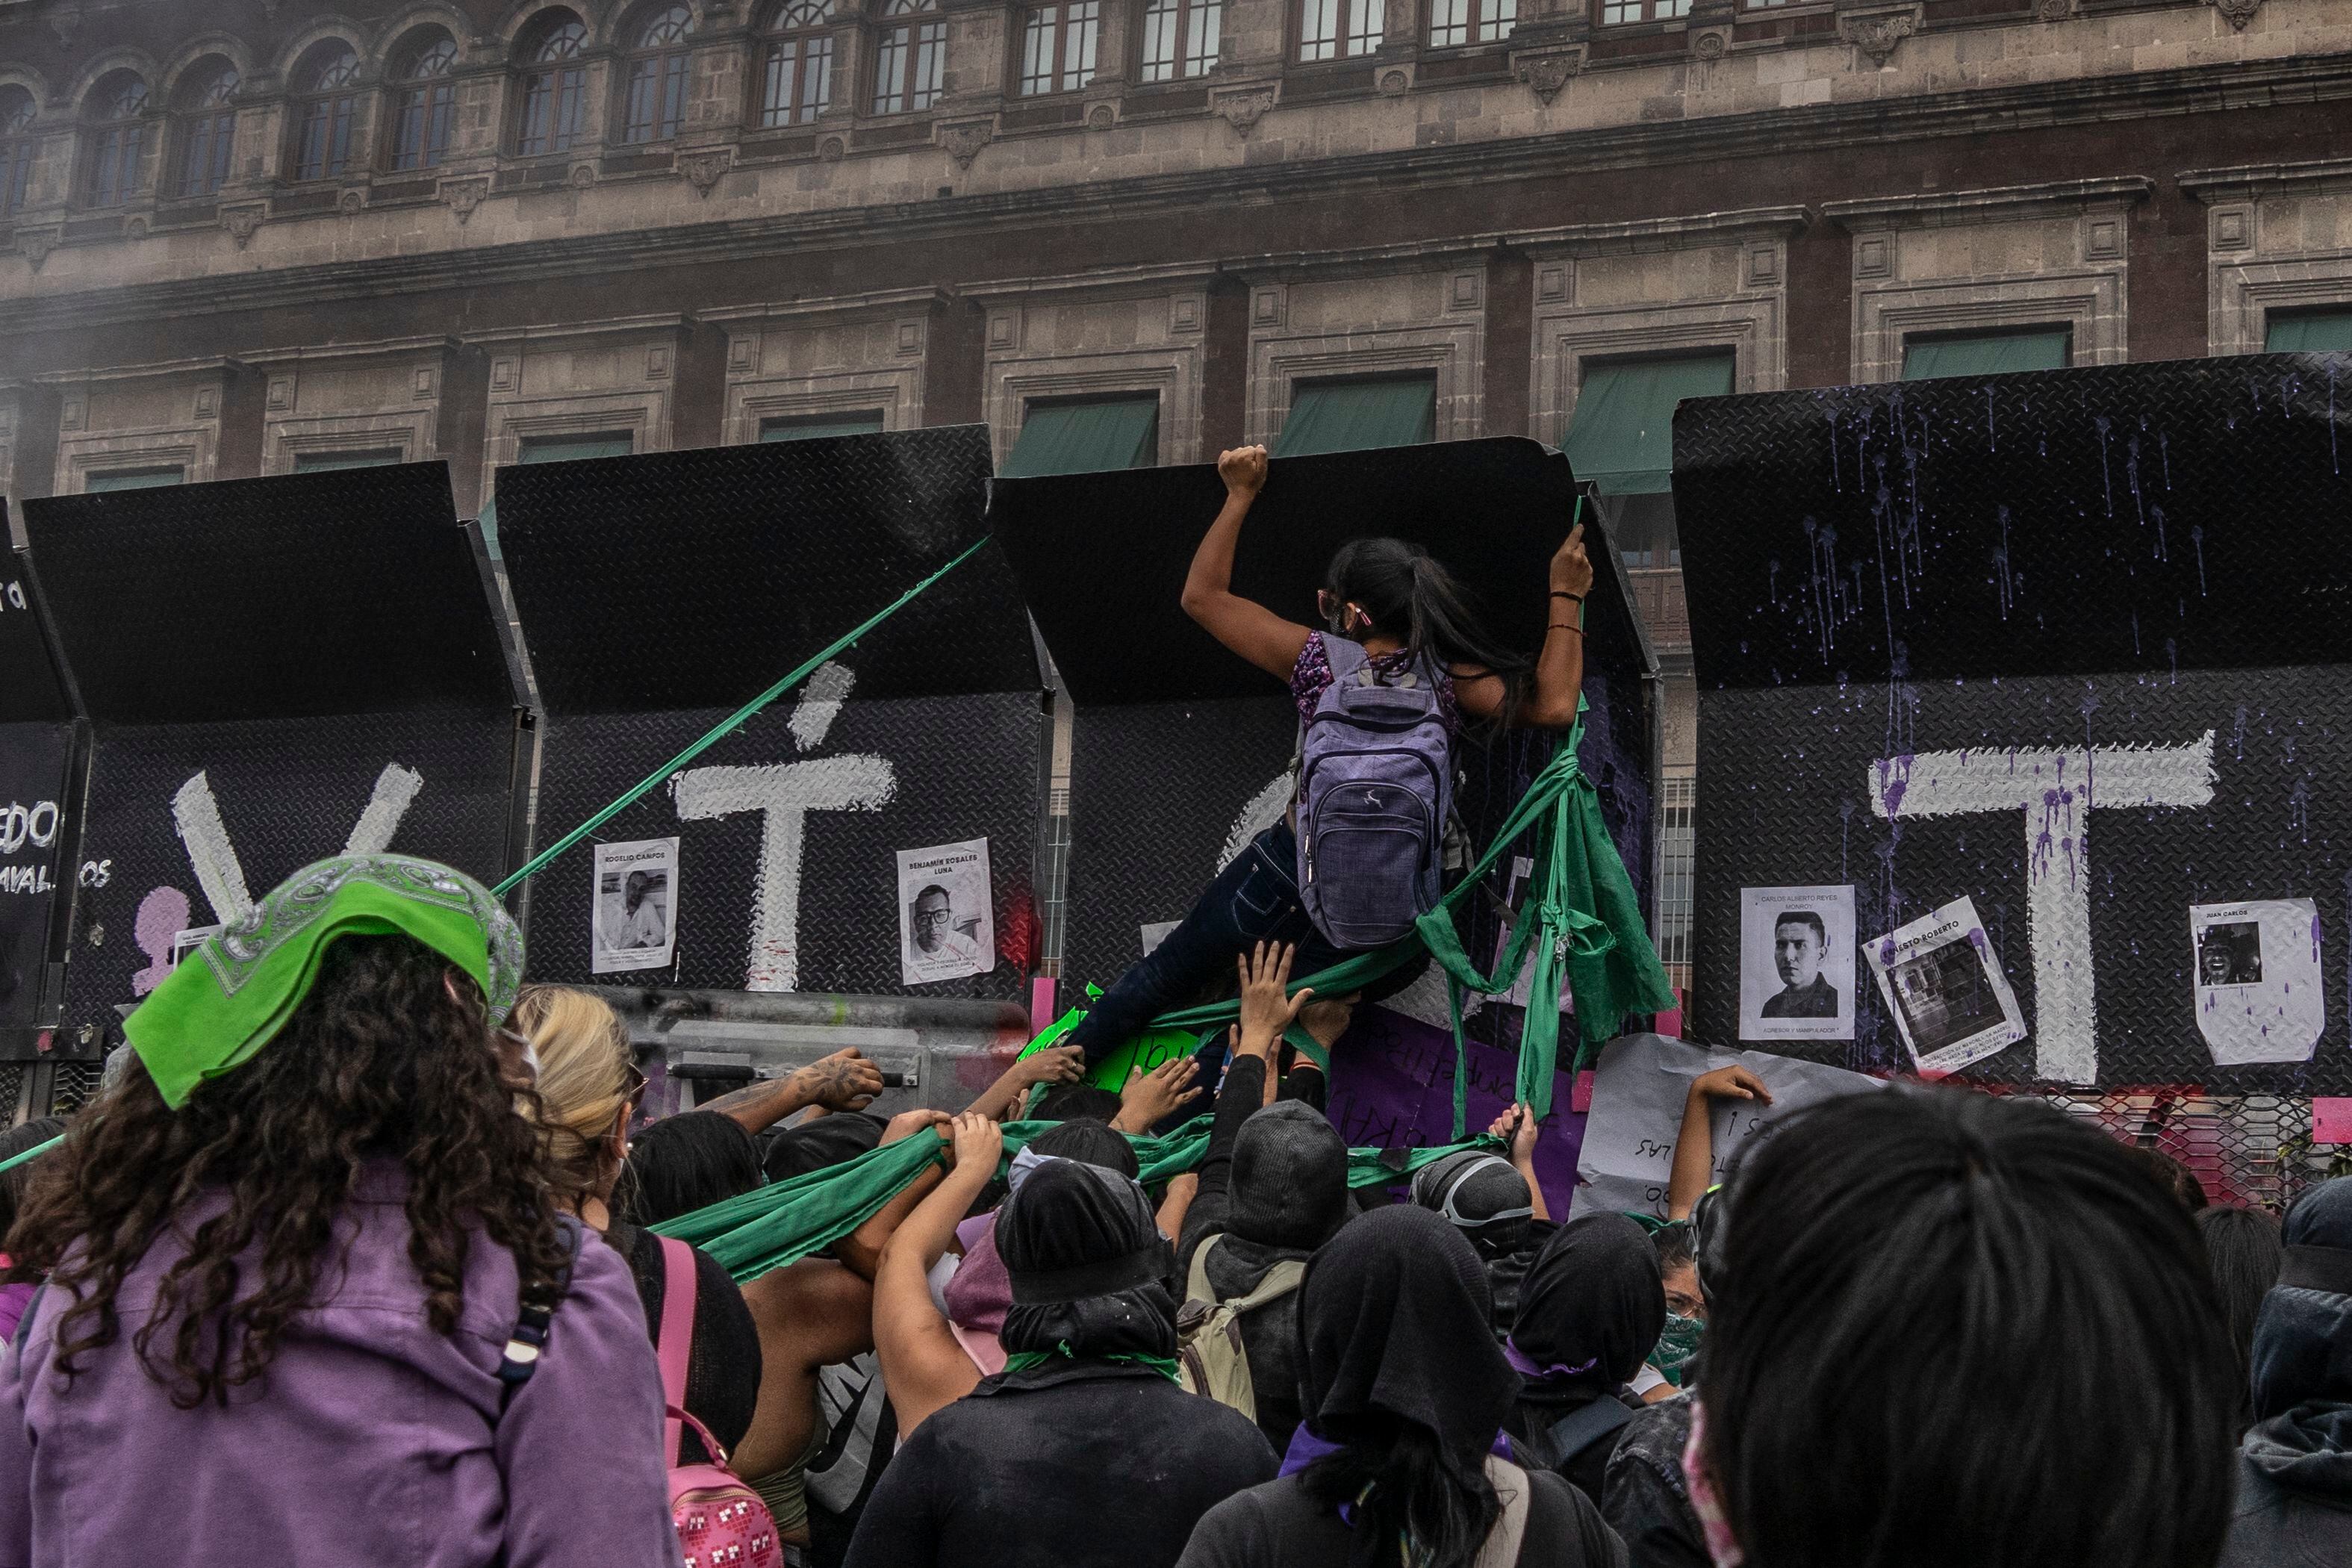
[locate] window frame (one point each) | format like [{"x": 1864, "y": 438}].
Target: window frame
[
  {"x": 661, "y": 72},
  {"x": 1193, "y": 58},
  {"x": 326, "y": 114},
  {"x": 1481, "y": 22},
  {"x": 1650, "y": 12},
  {"x": 556, "y": 80},
  {"x": 427, "y": 100},
  {"x": 807, "y": 45},
  {"x": 19, "y": 149},
  {"x": 1347, "y": 41},
  {"x": 916, "y": 32},
  {"x": 114, "y": 153},
  {"x": 1071, "y": 26}
]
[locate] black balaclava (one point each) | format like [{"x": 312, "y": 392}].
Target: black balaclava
[
  {"x": 1591, "y": 1308},
  {"x": 1393, "y": 1316},
  {"x": 2303, "y": 1337},
  {"x": 1090, "y": 1270},
  {"x": 1290, "y": 1178},
  {"x": 826, "y": 1140}
]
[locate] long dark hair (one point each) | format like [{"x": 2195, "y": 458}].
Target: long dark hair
[
  {"x": 1392, "y": 1473},
  {"x": 1411, "y": 596},
  {"x": 379, "y": 1061},
  {"x": 2243, "y": 1250}
]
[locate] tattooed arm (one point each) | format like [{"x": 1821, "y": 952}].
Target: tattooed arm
[{"x": 844, "y": 1081}]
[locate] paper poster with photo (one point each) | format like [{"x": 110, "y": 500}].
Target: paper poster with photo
[
  {"x": 1947, "y": 995},
  {"x": 2260, "y": 996},
  {"x": 1796, "y": 964},
  {"x": 636, "y": 906},
  {"x": 947, "y": 925}
]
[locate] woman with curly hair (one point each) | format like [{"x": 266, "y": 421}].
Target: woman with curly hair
[{"x": 309, "y": 1295}]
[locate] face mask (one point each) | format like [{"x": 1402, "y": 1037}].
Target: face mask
[
  {"x": 1676, "y": 1345},
  {"x": 1721, "y": 1546}
]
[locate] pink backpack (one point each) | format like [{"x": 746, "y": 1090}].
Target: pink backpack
[{"x": 721, "y": 1523}]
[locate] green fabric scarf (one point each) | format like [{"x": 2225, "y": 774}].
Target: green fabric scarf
[
  {"x": 1022, "y": 1361},
  {"x": 784, "y": 1222},
  {"x": 233, "y": 996}
]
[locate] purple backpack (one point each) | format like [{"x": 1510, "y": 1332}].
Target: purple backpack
[{"x": 1375, "y": 791}]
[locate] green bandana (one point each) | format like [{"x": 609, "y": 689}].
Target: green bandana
[
  {"x": 1022, "y": 1361},
  {"x": 234, "y": 996}
]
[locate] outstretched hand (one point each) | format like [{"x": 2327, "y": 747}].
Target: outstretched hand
[
  {"x": 1518, "y": 1126},
  {"x": 1151, "y": 1097},
  {"x": 1266, "y": 1009},
  {"x": 844, "y": 1081},
  {"x": 979, "y": 1143},
  {"x": 1056, "y": 1064},
  {"x": 1572, "y": 569},
  {"x": 1729, "y": 1083}
]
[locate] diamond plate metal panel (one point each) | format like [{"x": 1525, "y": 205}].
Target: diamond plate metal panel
[
  {"x": 660, "y": 591},
  {"x": 40, "y": 809},
  {"x": 684, "y": 580},
  {"x": 2135, "y": 556}
]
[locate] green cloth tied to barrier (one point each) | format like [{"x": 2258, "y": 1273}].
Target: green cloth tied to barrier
[
  {"x": 784, "y": 1222},
  {"x": 1580, "y": 919}
]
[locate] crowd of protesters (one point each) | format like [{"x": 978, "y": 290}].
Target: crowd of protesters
[{"x": 352, "y": 1265}]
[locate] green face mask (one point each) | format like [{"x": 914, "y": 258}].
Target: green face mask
[{"x": 1676, "y": 1345}]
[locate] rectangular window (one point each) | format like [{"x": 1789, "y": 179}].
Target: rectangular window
[
  {"x": 16, "y": 175},
  {"x": 114, "y": 165},
  {"x": 1351, "y": 415},
  {"x": 1453, "y": 23},
  {"x": 212, "y": 141},
  {"x": 1057, "y": 47},
  {"x": 2307, "y": 332},
  {"x": 134, "y": 479},
  {"x": 1986, "y": 354},
  {"x": 657, "y": 99},
  {"x": 1616, "y": 11},
  {"x": 328, "y": 462},
  {"x": 809, "y": 427},
  {"x": 421, "y": 132},
  {"x": 909, "y": 72},
  {"x": 326, "y": 149},
  {"x": 1179, "y": 39},
  {"x": 800, "y": 82},
  {"x": 1620, "y": 438},
  {"x": 1339, "y": 29},
  {"x": 568, "y": 448},
  {"x": 1678, "y": 849},
  {"x": 1087, "y": 436},
  {"x": 554, "y": 111}
]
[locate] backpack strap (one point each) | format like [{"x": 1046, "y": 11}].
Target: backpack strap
[
  {"x": 1582, "y": 1427},
  {"x": 533, "y": 1320},
  {"x": 674, "y": 1343},
  {"x": 1278, "y": 1281},
  {"x": 1196, "y": 1281}
]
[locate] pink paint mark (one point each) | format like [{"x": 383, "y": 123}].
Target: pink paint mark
[
  {"x": 1041, "y": 1004},
  {"x": 162, "y": 915},
  {"x": 1580, "y": 1099},
  {"x": 1670, "y": 1024},
  {"x": 2331, "y": 1120}
]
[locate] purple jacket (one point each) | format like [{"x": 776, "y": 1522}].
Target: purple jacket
[{"x": 370, "y": 1439}]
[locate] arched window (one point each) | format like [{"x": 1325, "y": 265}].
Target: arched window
[
  {"x": 554, "y": 86},
  {"x": 16, "y": 147},
  {"x": 800, "y": 65},
  {"x": 329, "y": 82},
  {"x": 424, "y": 103},
  {"x": 912, "y": 61},
  {"x": 206, "y": 127},
  {"x": 116, "y": 141},
  {"x": 1180, "y": 37},
  {"x": 658, "y": 71}
]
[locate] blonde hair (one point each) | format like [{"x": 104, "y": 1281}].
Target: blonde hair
[{"x": 584, "y": 1069}]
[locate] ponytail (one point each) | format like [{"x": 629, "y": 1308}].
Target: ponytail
[{"x": 1409, "y": 594}]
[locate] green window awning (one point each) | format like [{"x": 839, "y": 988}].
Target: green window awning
[
  {"x": 867, "y": 422},
  {"x": 567, "y": 448},
  {"x": 327, "y": 462},
  {"x": 1352, "y": 416},
  {"x": 134, "y": 479},
  {"x": 1621, "y": 438},
  {"x": 2308, "y": 332},
  {"x": 1086, "y": 437},
  {"x": 1990, "y": 353}
]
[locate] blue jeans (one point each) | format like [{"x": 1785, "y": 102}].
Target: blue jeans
[{"x": 1254, "y": 900}]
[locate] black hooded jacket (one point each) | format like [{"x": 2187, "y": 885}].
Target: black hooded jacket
[
  {"x": 1275, "y": 1185},
  {"x": 1589, "y": 1312},
  {"x": 2294, "y": 1468}
]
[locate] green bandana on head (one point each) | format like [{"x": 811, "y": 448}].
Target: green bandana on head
[{"x": 234, "y": 994}]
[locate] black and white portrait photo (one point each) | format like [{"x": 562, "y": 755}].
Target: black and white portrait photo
[
  {"x": 2258, "y": 983},
  {"x": 946, "y": 919},
  {"x": 1796, "y": 964},
  {"x": 635, "y": 922},
  {"x": 1951, "y": 1002}
]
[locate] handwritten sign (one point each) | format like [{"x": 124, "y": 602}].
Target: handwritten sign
[{"x": 1638, "y": 1092}]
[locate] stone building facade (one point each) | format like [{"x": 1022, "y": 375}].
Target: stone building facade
[{"x": 262, "y": 234}]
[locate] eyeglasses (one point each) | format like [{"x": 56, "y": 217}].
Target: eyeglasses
[{"x": 634, "y": 1087}]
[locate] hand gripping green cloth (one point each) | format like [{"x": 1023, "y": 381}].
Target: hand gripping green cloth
[
  {"x": 784, "y": 1222},
  {"x": 233, "y": 996}
]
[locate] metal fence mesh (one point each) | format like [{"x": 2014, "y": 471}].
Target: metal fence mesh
[
  {"x": 2248, "y": 1149},
  {"x": 12, "y": 1089},
  {"x": 76, "y": 1083}
]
